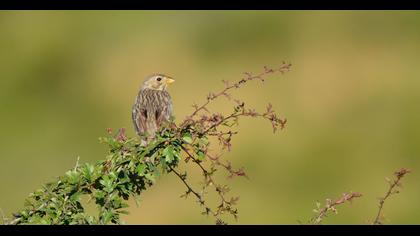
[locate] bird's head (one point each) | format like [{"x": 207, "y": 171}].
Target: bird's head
[{"x": 157, "y": 82}]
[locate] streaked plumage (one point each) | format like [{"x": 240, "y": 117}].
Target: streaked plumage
[{"x": 152, "y": 107}]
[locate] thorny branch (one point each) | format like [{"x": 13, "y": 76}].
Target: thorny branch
[
  {"x": 331, "y": 206},
  {"x": 228, "y": 86},
  {"x": 130, "y": 167},
  {"x": 393, "y": 185},
  {"x": 200, "y": 127},
  {"x": 225, "y": 205},
  {"x": 197, "y": 195},
  {"x": 228, "y": 167}
]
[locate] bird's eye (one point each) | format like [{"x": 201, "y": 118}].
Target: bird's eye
[{"x": 158, "y": 78}]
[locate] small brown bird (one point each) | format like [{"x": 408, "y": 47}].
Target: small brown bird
[{"x": 152, "y": 107}]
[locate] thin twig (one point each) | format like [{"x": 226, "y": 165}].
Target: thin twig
[
  {"x": 77, "y": 163},
  {"x": 395, "y": 183},
  {"x": 331, "y": 206},
  {"x": 218, "y": 189},
  {"x": 198, "y": 196},
  {"x": 186, "y": 184},
  {"x": 283, "y": 68},
  {"x": 228, "y": 167}
]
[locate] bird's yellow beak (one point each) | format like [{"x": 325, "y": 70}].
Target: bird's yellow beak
[{"x": 169, "y": 81}]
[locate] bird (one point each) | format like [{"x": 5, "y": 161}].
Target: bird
[{"x": 152, "y": 106}]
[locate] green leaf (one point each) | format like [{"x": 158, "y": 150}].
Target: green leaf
[
  {"x": 187, "y": 138},
  {"x": 99, "y": 195},
  {"x": 88, "y": 171},
  {"x": 72, "y": 176},
  {"x": 107, "y": 183},
  {"x": 141, "y": 168},
  {"x": 112, "y": 175},
  {"x": 106, "y": 217},
  {"x": 116, "y": 202},
  {"x": 168, "y": 152},
  {"x": 201, "y": 155},
  {"x": 153, "y": 157},
  {"x": 75, "y": 197}
]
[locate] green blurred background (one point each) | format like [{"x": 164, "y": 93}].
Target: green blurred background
[{"x": 351, "y": 100}]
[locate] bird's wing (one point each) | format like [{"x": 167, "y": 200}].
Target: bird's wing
[
  {"x": 161, "y": 116},
  {"x": 139, "y": 115},
  {"x": 164, "y": 109},
  {"x": 139, "y": 120}
]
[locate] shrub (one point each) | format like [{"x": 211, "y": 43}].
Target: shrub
[{"x": 130, "y": 168}]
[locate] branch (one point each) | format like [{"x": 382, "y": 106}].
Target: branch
[
  {"x": 331, "y": 206},
  {"x": 130, "y": 167},
  {"x": 249, "y": 77},
  {"x": 208, "y": 210},
  {"x": 393, "y": 184}
]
